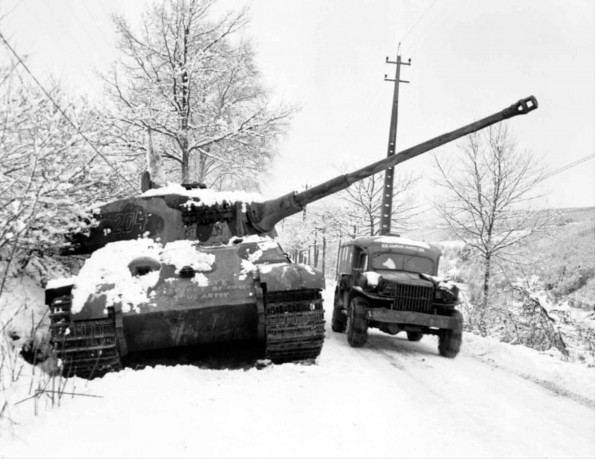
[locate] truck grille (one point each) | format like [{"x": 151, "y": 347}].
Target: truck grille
[{"x": 414, "y": 298}]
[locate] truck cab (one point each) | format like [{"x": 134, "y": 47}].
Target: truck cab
[{"x": 390, "y": 283}]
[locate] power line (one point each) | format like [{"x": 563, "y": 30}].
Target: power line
[
  {"x": 64, "y": 113},
  {"x": 418, "y": 21},
  {"x": 434, "y": 24},
  {"x": 13, "y": 8},
  {"x": 567, "y": 166}
]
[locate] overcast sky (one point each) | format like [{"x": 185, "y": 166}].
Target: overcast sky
[{"x": 469, "y": 60}]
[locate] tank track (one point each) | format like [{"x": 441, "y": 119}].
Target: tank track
[
  {"x": 294, "y": 325},
  {"x": 87, "y": 349}
]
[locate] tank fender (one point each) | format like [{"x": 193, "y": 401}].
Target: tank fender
[
  {"x": 52, "y": 292},
  {"x": 96, "y": 307},
  {"x": 285, "y": 276}
]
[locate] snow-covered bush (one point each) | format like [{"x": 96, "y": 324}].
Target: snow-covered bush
[
  {"x": 531, "y": 317},
  {"x": 551, "y": 311},
  {"x": 549, "y": 323},
  {"x": 49, "y": 173}
]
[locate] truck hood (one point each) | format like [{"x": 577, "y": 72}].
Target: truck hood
[{"x": 398, "y": 277}]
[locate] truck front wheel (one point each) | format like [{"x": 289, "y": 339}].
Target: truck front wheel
[
  {"x": 449, "y": 340},
  {"x": 414, "y": 336},
  {"x": 339, "y": 320},
  {"x": 357, "y": 322}
]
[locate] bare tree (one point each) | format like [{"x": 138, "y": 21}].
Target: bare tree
[
  {"x": 319, "y": 230},
  {"x": 192, "y": 81},
  {"x": 487, "y": 199},
  {"x": 313, "y": 236},
  {"x": 363, "y": 202}
]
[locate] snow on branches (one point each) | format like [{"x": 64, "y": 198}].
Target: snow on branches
[
  {"x": 186, "y": 75},
  {"x": 49, "y": 174}
]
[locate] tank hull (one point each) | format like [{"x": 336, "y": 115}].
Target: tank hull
[
  {"x": 189, "y": 327},
  {"x": 141, "y": 295}
]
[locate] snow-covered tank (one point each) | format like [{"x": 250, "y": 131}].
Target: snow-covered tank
[{"x": 181, "y": 266}]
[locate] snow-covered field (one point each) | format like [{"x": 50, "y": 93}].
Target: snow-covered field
[{"x": 392, "y": 398}]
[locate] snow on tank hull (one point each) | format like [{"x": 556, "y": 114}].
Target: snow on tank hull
[{"x": 183, "y": 294}]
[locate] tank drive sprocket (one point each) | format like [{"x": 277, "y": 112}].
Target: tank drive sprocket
[{"x": 87, "y": 349}]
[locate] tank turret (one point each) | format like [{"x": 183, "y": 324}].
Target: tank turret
[{"x": 175, "y": 213}]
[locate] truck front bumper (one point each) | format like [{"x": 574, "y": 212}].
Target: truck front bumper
[{"x": 413, "y": 318}]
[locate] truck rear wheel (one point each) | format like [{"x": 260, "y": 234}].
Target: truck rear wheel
[
  {"x": 339, "y": 320},
  {"x": 414, "y": 336},
  {"x": 449, "y": 340},
  {"x": 357, "y": 322}
]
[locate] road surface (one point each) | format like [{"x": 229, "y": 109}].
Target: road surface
[{"x": 392, "y": 398}]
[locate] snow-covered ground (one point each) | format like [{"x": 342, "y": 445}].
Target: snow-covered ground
[{"x": 392, "y": 398}]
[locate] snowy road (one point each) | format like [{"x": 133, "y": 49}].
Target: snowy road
[{"x": 391, "y": 398}]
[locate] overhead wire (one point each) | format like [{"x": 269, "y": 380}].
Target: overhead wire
[
  {"x": 418, "y": 21},
  {"x": 566, "y": 167},
  {"x": 435, "y": 24},
  {"x": 59, "y": 108},
  {"x": 88, "y": 32},
  {"x": 12, "y": 9}
]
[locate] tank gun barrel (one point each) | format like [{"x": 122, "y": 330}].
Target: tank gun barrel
[{"x": 265, "y": 215}]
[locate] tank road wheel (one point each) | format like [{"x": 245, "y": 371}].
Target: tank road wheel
[
  {"x": 339, "y": 321},
  {"x": 414, "y": 336},
  {"x": 87, "y": 349},
  {"x": 357, "y": 322},
  {"x": 449, "y": 340}
]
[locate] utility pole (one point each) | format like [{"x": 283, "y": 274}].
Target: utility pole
[
  {"x": 387, "y": 198},
  {"x": 304, "y": 214}
]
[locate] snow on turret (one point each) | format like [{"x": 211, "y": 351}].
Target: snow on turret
[{"x": 207, "y": 197}]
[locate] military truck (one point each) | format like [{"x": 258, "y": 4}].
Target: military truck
[
  {"x": 390, "y": 283},
  {"x": 179, "y": 266}
]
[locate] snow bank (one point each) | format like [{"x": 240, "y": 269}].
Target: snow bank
[
  {"x": 542, "y": 367},
  {"x": 23, "y": 315},
  {"x": 400, "y": 394}
]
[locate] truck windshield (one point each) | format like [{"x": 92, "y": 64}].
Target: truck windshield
[{"x": 402, "y": 262}]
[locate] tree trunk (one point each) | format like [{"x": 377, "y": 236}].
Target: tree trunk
[
  {"x": 185, "y": 159},
  {"x": 202, "y": 166},
  {"x": 315, "y": 249},
  {"x": 486, "y": 295},
  {"x": 324, "y": 254}
]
